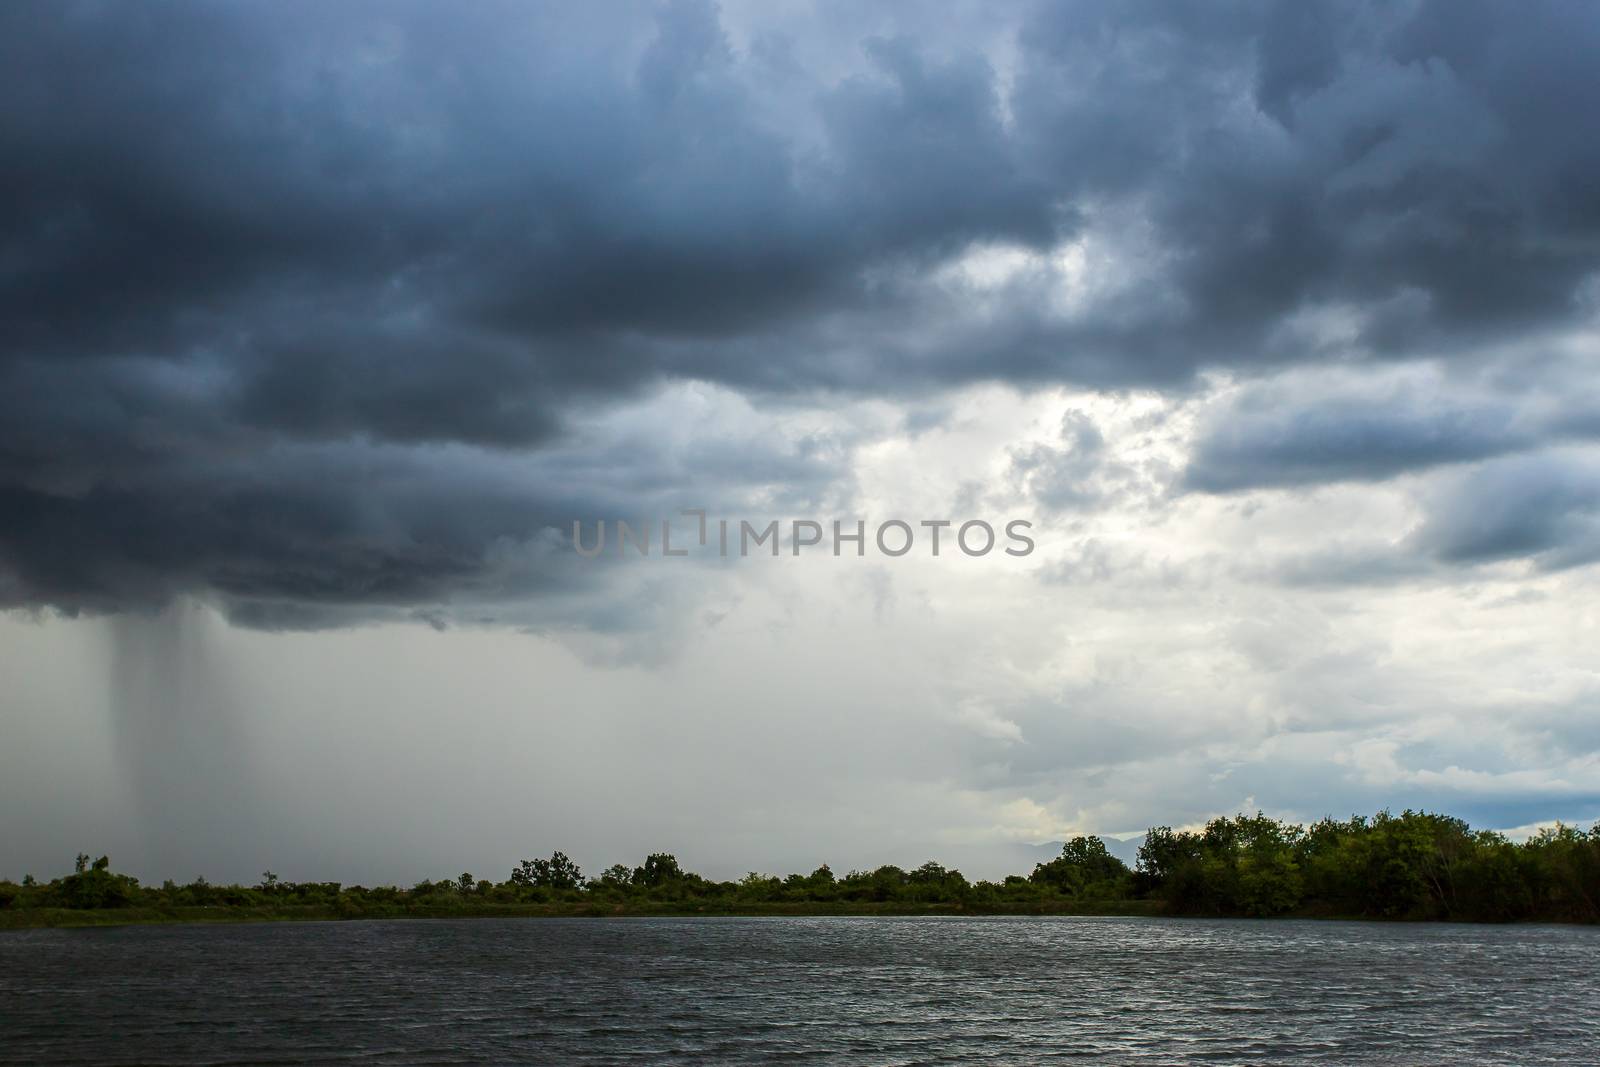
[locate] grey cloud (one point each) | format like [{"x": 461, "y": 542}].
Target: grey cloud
[
  {"x": 320, "y": 535},
  {"x": 1313, "y": 426},
  {"x": 1540, "y": 509},
  {"x": 1569, "y": 728},
  {"x": 234, "y": 232},
  {"x": 1544, "y": 508},
  {"x": 1275, "y": 437},
  {"x": 1350, "y": 565},
  {"x": 1066, "y": 476},
  {"x": 1393, "y": 152}
]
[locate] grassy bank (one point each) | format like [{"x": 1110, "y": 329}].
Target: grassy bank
[{"x": 26, "y": 918}]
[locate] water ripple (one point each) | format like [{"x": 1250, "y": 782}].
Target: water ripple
[{"x": 801, "y": 990}]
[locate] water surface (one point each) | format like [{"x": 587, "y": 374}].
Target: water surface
[{"x": 802, "y": 990}]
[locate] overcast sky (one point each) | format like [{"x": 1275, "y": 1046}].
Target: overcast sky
[{"x": 320, "y": 324}]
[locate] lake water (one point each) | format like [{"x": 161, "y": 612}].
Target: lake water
[{"x": 802, "y": 990}]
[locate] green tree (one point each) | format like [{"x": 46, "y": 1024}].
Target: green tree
[
  {"x": 557, "y": 872},
  {"x": 618, "y": 874},
  {"x": 1084, "y": 868},
  {"x": 659, "y": 868}
]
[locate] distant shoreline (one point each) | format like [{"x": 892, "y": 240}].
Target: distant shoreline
[
  {"x": 1414, "y": 866},
  {"x": 37, "y": 918},
  {"x": 106, "y": 918},
  {"x": 110, "y": 918}
]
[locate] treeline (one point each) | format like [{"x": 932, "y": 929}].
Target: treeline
[{"x": 1411, "y": 866}]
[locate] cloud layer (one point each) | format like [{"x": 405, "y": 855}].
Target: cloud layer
[{"x": 282, "y": 287}]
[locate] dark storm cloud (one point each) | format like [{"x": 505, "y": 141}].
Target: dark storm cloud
[
  {"x": 1422, "y": 171},
  {"x": 1543, "y": 508},
  {"x": 299, "y": 534},
  {"x": 231, "y": 234},
  {"x": 1273, "y": 437}
]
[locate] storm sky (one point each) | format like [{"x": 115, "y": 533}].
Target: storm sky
[{"x": 321, "y": 324}]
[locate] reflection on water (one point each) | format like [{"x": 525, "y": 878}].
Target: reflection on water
[{"x": 825, "y": 990}]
